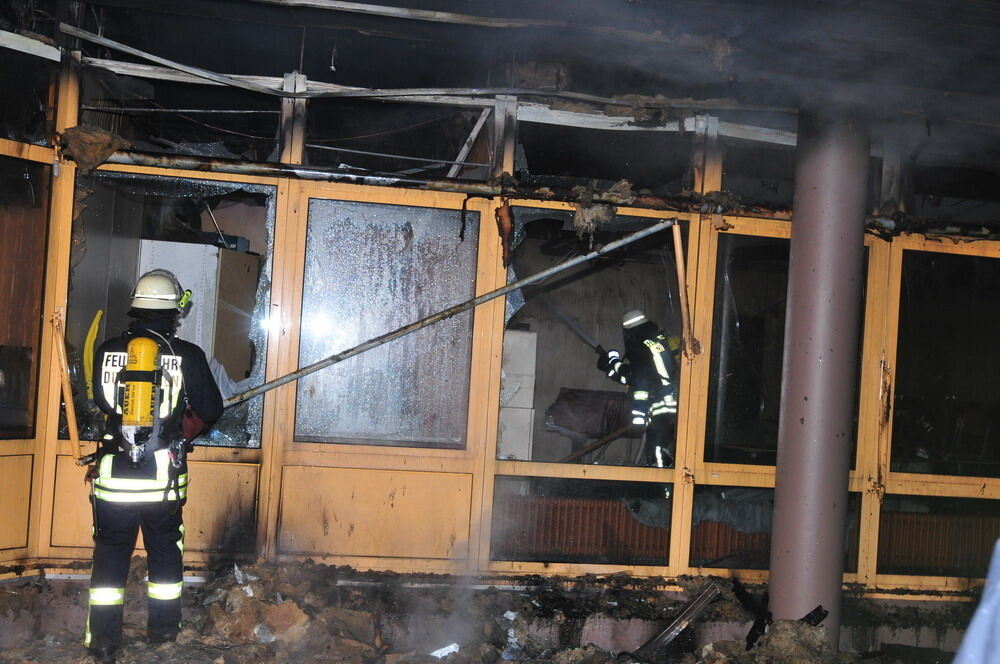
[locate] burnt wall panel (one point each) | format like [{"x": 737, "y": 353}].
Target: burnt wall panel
[{"x": 220, "y": 514}]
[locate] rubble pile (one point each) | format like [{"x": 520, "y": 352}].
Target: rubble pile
[
  {"x": 307, "y": 613},
  {"x": 786, "y": 642},
  {"x": 310, "y": 613}
]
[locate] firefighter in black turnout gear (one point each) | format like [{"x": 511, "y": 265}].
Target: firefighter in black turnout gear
[
  {"x": 650, "y": 371},
  {"x": 158, "y": 394}
]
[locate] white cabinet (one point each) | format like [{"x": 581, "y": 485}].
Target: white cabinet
[
  {"x": 517, "y": 395},
  {"x": 223, "y": 285}
]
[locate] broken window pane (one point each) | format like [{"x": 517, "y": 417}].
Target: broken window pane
[
  {"x": 24, "y": 202},
  {"x": 217, "y": 238},
  {"x": 554, "y": 400},
  {"x": 731, "y": 528},
  {"x": 26, "y": 112},
  {"x": 540, "y": 519},
  {"x": 370, "y": 269},
  {"x": 747, "y": 344},
  {"x": 937, "y": 536},
  {"x": 945, "y": 415}
]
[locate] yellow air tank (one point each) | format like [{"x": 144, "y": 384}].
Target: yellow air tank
[{"x": 139, "y": 401}]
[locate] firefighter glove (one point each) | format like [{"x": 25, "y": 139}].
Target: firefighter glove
[
  {"x": 191, "y": 425},
  {"x": 605, "y": 362}
]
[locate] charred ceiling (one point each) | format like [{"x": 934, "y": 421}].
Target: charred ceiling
[{"x": 922, "y": 74}]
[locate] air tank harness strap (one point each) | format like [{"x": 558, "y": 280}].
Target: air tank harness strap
[
  {"x": 175, "y": 453},
  {"x": 140, "y": 376}
]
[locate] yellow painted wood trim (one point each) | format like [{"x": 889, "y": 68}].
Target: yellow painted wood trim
[
  {"x": 27, "y": 151},
  {"x": 285, "y": 264},
  {"x": 388, "y": 458},
  {"x": 697, "y": 377},
  {"x": 943, "y": 485},
  {"x": 17, "y": 446},
  {"x": 574, "y": 569},
  {"x": 584, "y": 471},
  {"x": 707, "y": 165},
  {"x": 374, "y": 564},
  {"x": 492, "y": 265},
  {"x": 385, "y": 195},
  {"x": 56, "y": 288},
  {"x": 940, "y": 583},
  {"x": 623, "y": 210},
  {"x": 326, "y": 452},
  {"x": 947, "y": 245},
  {"x": 867, "y": 462},
  {"x": 484, "y": 393},
  {"x": 755, "y": 226},
  {"x": 204, "y": 453}
]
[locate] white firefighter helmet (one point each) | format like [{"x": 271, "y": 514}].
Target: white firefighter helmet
[
  {"x": 157, "y": 289},
  {"x": 632, "y": 318}
]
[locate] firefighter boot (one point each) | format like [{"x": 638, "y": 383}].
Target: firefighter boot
[{"x": 102, "y": 655}]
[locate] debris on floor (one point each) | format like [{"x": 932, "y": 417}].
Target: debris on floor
[
  {"x": 310, "y": 613},
  {"x": 786, "y": 642}
]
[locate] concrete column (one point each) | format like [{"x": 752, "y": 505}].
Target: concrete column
[{"x": 819, "y": 380}]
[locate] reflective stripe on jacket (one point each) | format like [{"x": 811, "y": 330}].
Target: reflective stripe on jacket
[{"x": 112, "y": 486}]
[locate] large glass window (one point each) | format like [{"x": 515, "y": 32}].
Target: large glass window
[
  {"x": 937, "y": 536},
  {"x": 946, "y": 416},
  {"x": 537, "y": 519},
  {"x": 748, "y": 340},
  {"x": 371, "y": 269},
  {"x": 217, "y": 238},
  {"x": 556, "y": 403},
  {"x": 731, "y": 527},
  {"x": 24, "y": 197}
]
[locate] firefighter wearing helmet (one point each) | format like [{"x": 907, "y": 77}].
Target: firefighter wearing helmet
[
  {"x": 158, "y": 394},
  {"x": 649, "y": 368}
]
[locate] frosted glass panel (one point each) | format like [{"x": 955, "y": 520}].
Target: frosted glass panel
[{"x": 371, "y": 269}]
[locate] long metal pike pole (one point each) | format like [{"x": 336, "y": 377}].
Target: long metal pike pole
[
  {"x": 571, "y": 324},
  {"x": 649, "y": 651},
  {"x": 447, "y": 313}
]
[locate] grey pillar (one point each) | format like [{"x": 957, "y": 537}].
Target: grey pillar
[{"x": 819, "y": 378}]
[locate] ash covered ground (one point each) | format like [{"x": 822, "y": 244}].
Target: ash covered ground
[{"x": 307, "y": 612}]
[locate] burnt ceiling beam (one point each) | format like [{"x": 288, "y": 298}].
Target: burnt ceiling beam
[
  {"x": 168, "y": 74},
  {"x": 526, "y": 112},
  {"x": 446, "y": 96},
  {"x": 30, "y": 46},
  {"x": 247, "y": 83}
]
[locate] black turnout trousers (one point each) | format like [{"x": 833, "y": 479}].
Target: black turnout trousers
[{"x": 116, "y": 528}]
